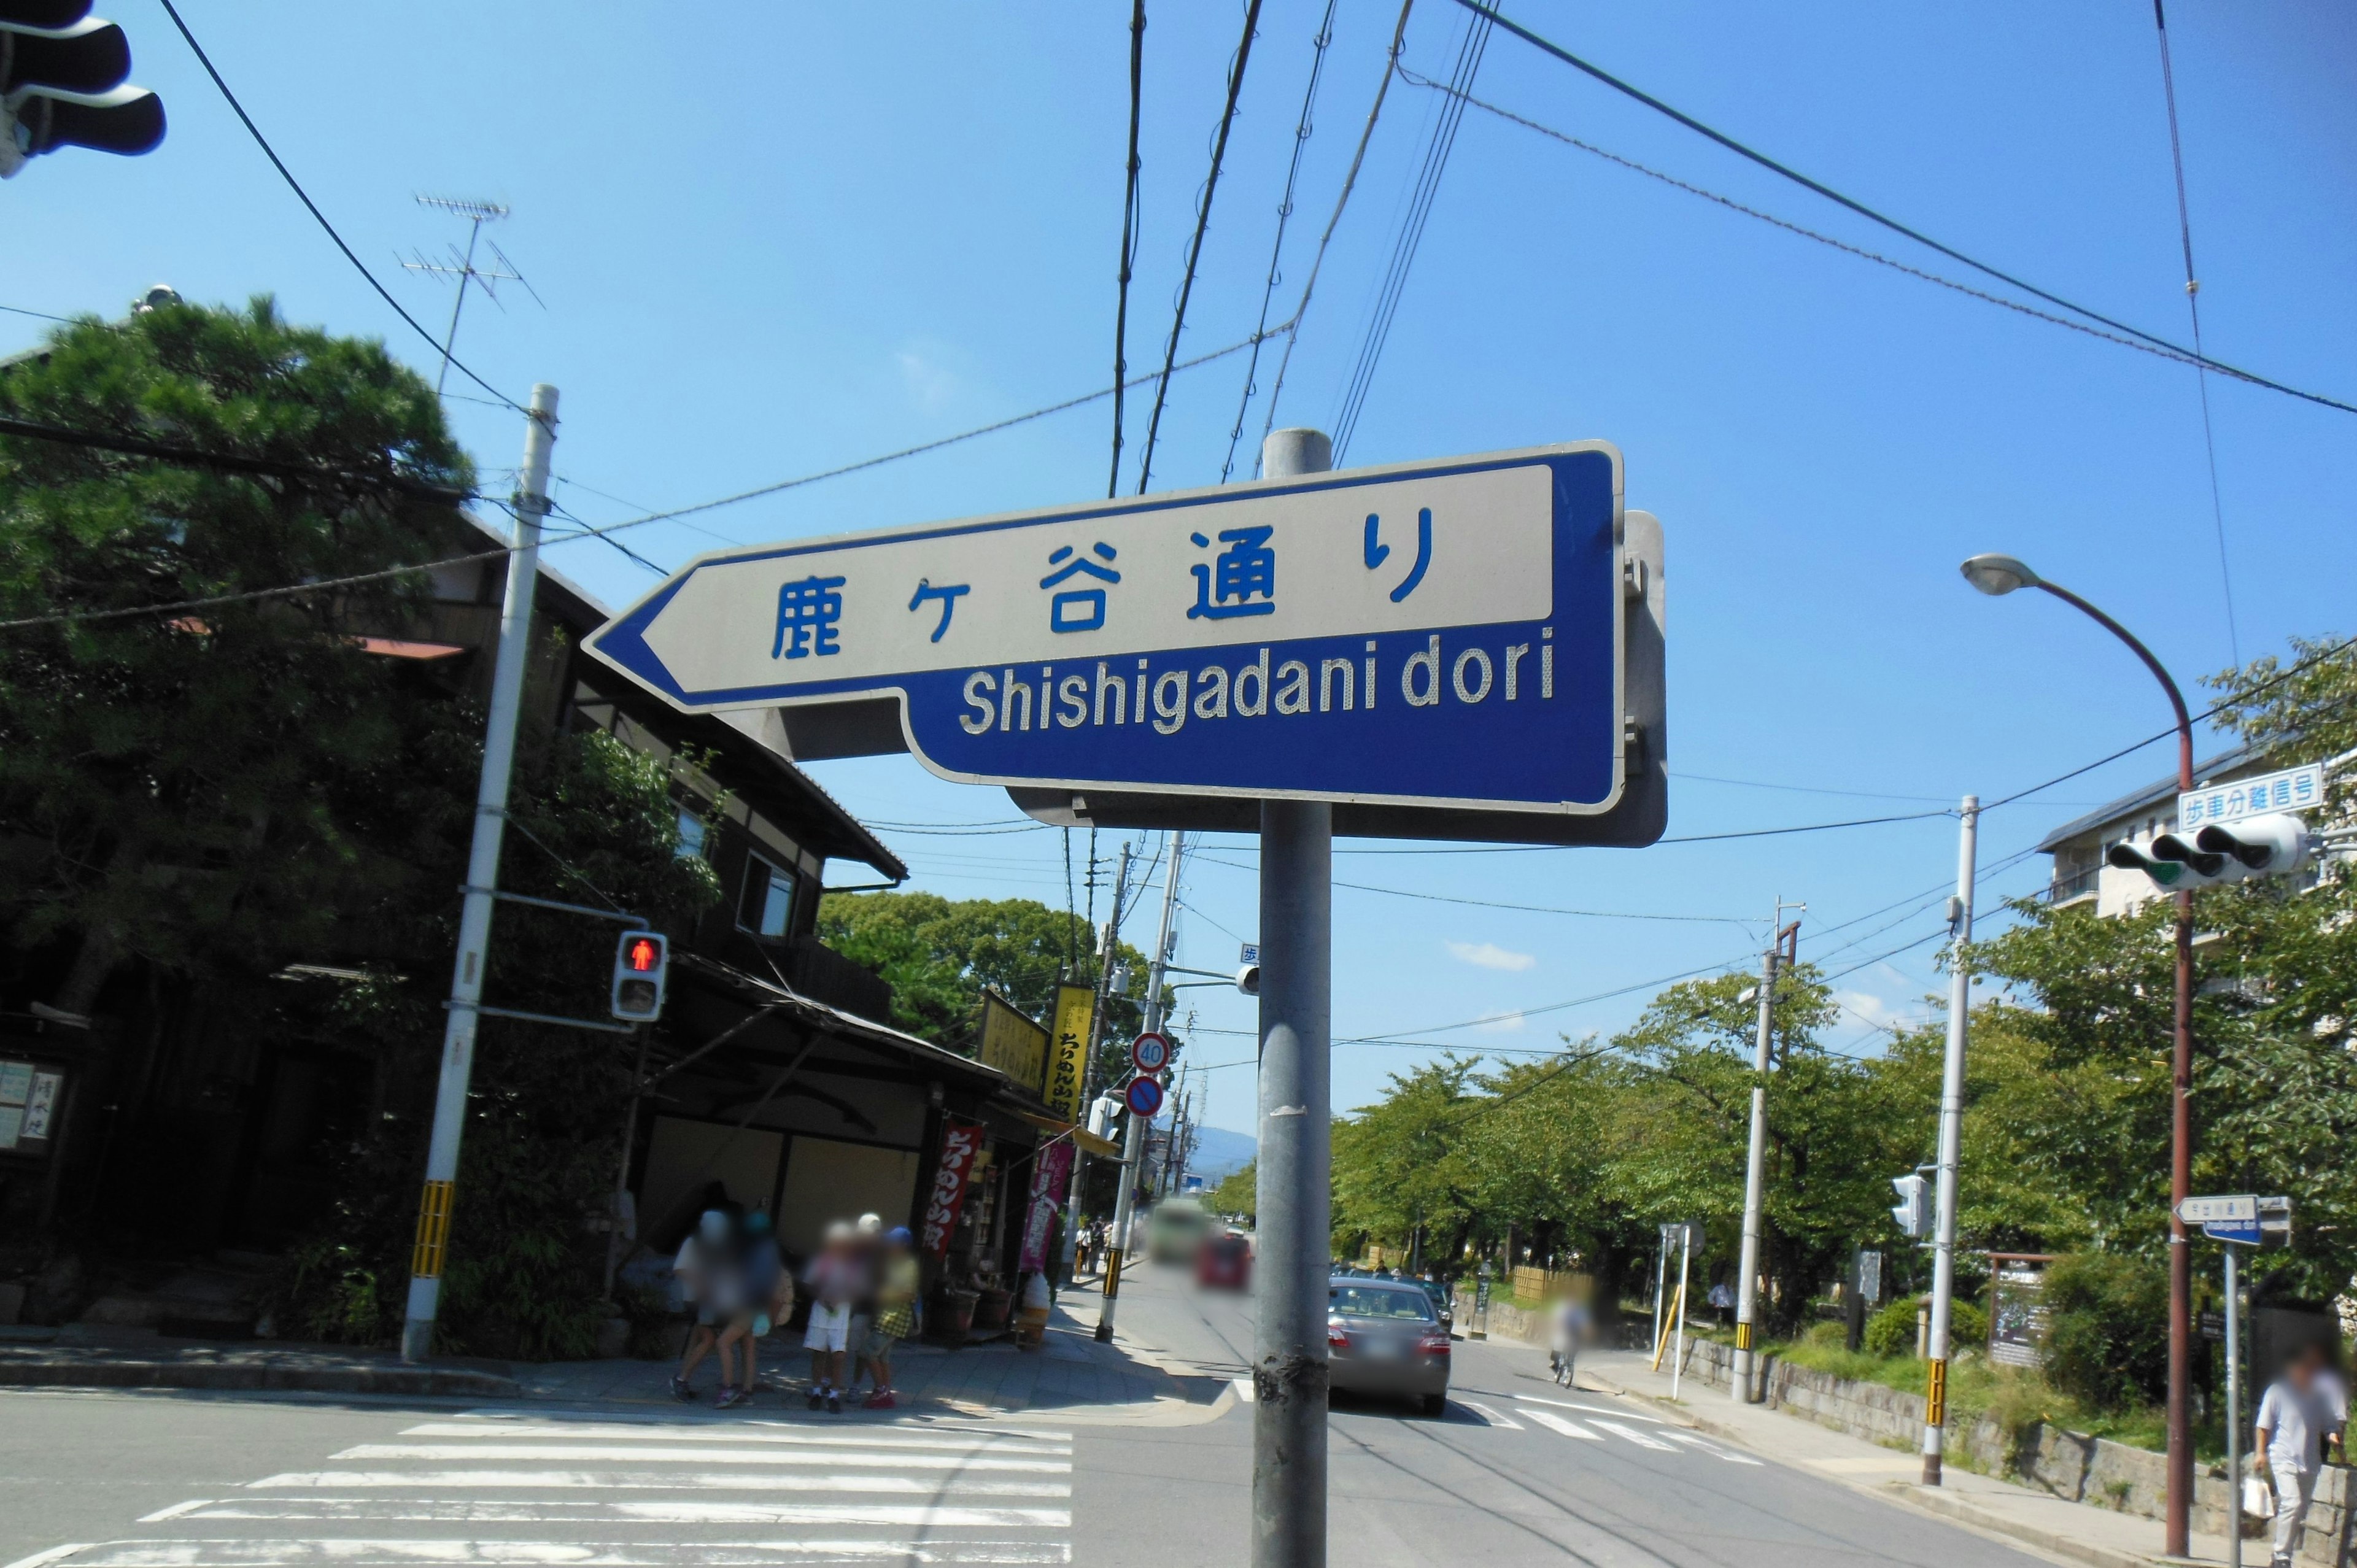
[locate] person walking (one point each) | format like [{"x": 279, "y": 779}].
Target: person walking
[
  {"x": 2295, "y": 1416},
  {"x": 834, "y": 1282},
  {"x": 693, "y": 1269},
  {"x": 766, "y": 1292}
]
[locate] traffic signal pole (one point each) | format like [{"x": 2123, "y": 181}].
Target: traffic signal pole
[
  {"x": 1133, "y": 1138},
  {"x": 1289, "y": 1366},
  {"x": 482, "y": 877},
  {"x": 1952, "y": 1132}
]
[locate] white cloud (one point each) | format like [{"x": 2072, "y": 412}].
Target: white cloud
[
  {"x": 1871, "y": 1009},
  {"x": 929, "y": 381},
  {"x": 1500, "y": 1023},
  {"x": 1489, "y": 955}
]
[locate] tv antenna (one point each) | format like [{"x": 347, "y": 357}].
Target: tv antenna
[{"x": 462, "y": 265}]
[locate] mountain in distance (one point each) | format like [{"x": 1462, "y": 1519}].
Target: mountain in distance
[{"x": 1220, "y": 1154}]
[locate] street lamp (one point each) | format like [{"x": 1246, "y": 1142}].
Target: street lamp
[{"x": 1996, "y": 576}]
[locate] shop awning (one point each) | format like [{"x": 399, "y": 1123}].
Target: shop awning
[{"x": 1088, "y": 1142}]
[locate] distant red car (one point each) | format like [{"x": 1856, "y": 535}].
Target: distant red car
[{"x": 1224, "y": 1262}]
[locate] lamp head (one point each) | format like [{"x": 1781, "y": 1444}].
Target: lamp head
[{"x": 1998, "y": 575}]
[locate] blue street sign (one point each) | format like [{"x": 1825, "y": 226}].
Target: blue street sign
[
  {"x": 1457, "y": 648},
  {"x": 2245, "y": 1231},
  {"x": 1144, "y": 1096}
]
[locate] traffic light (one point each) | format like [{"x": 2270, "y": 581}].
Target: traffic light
[
  {"x": 1913, "y": 1209},
  {"x": 641, "y": 961},
  {"x": 1248, "y": 980},
  {"x": 2274, "y": 844},
  {"x": 61, "y": 85}
]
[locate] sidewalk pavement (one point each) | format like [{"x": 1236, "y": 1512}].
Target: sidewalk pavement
[
  {"x": 1071, "y": 1375},
  {"x": 2073, "y": 1532}
]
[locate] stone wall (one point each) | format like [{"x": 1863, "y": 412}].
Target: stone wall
[{"x": 2069, "y": 1465}]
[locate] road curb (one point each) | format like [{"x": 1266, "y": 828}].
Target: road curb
[
  {"x": 1948, "y": 1506},
  {"x": 264, "y": 1379}
]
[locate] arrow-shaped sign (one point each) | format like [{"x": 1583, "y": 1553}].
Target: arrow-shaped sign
[{"x": 1444, "y": 635}]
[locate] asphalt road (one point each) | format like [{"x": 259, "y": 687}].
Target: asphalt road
[{"x": 1516, "y": 1471}]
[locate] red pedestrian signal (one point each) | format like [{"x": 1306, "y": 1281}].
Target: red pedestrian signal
[{"x": 642, "y": 963}]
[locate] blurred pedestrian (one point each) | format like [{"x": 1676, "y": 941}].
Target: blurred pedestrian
[
  {"x": 896, "y": 1313},
  {"x": 764, "y": 1292},
  {"x": 2295, "y": 1416},
  {"x": 834, "y": 1280},
  {"x": 694, "y": 1267}
]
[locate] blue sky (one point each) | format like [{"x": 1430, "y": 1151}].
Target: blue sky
[{"x": 792, "y": 236}]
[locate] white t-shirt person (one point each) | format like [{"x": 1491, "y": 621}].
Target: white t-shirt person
[{"x": 2297, "y": 1422}]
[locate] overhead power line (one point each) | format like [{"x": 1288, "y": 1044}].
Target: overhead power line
[
  {"x": 2193, "y": 308},
  {"x": 1861, "y": 253},
  {"x": 1128, "y": 236},
  {"x": 1195, "y": 246},
  {"x": 1785, "y": 170},
  {"x": 59, "y": 617},
  {"x": 1284, "y": 211},
  {"x": 1292, "y": 329},
  {"x": 1404, "y": 245},
  {"x": 313, "y": 207},
  {"x": 922, "y": 447}
]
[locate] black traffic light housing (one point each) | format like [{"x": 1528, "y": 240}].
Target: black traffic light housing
[
  {"x": 641, "y": 966},
  {"x": 62, "y": 84}
]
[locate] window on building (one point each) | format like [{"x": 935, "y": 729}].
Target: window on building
[
  {"x": 768, "y": 903},
  {"x": 691, "y": 834}
]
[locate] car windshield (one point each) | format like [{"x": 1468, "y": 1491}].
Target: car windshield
[{"x": 1375, "y": 1301}]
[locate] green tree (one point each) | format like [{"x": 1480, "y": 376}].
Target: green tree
[
  {"x": 1238, "y": 1193},
  {"x": 200, "y": 799},
  {"x": 941, "y": 955},
  {"x": 185, "y": 788},
  {"x": 1399, "y": 1162}
]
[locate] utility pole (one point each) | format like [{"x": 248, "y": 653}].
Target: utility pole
[
  {"x": 1133, "y": 1138},
  {"x": 1111, "y": 941},
  {"x": 1289, "y": 1366},
  {"x": 1952, "y": 1133},
  {"x": 482, "y": 876},
  {"x": 1754, "y": 1170}
]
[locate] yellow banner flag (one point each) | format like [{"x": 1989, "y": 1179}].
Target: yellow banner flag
[{"x": 1068, "y": 1049}]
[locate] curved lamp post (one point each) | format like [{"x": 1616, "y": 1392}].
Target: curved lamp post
[{"x": 2000, "y": 574}]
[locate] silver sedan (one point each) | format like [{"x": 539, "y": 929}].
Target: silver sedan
[{"x": 1383, "y": 1336}]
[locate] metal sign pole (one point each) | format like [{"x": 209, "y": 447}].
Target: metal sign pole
[
  {"x": 1133, "y": 1135},
  {"x": 2234, "y": 1417},
  {"x": 1289, "y": 1371}
]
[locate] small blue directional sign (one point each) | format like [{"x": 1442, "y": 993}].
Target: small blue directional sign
[
  {"x": 1421, "y": 640},
  {"x": 2234, "y": 1218}
]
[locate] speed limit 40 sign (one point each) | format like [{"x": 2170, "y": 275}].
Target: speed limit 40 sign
[{"x": 1150, "y": 1052}]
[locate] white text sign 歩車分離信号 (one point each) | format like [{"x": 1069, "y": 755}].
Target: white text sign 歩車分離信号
[
  {"x": 2293, "y": 790},
  {"x": 1417, "y": 639}
]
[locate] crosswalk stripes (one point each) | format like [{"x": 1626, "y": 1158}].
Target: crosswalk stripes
[
  {"x": 1491, "y": 1418},
  {"x": 1563, "y": 1424},
  {"x": 610, "y": 1491},
  {"x": 1603, "y": 1419},
  {"x": 1712, "y": 1449},
  {"x": 1624, "y": 1430}
]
